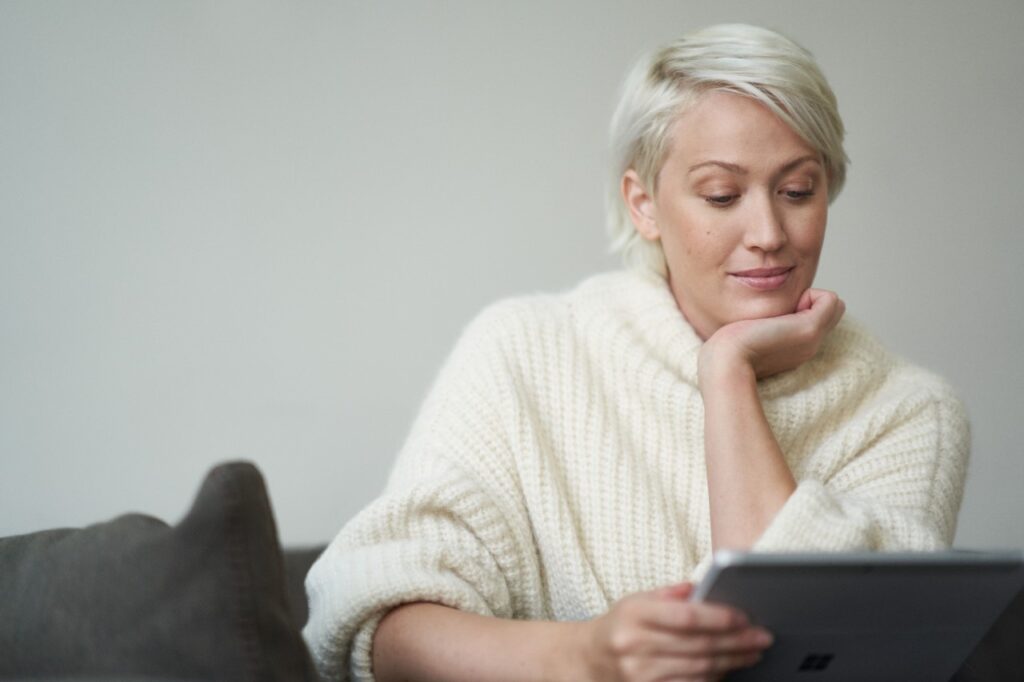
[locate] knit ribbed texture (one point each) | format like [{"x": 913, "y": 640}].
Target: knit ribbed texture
[{"x": 558, "y": 465}]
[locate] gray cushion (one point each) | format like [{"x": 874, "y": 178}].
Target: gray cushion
[
  {"x": 297, "y": 562},
  {"x": 204, "y": 599}
]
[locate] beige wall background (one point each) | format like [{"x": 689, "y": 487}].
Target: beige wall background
[{"x": 254, "y": 230}]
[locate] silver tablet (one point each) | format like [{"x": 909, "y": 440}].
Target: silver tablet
[{"x": 865, "y": 616}]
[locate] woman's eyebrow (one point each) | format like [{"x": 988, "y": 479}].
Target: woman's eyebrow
[
  {"x": 727, "y": 166},
  {"x": 798, "y": 161},
  {"x": 740, "y": 170}
]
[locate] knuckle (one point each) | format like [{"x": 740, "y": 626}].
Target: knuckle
[
  {"x": 701, "y": 666},
  {"x": 703, "y": 642},
  {"x": 631, "y": 668},
  {"x": 625, "y": 610},
  {"x": 732, "y": 619},
  {"x": 754, "y": 640},
  {"x": 686, "y": 618},
  {"x": 726, "y": 619},
  {"x": 622, "y": 641}
]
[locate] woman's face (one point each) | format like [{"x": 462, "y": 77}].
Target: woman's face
[{"x": 740, "y": 209}]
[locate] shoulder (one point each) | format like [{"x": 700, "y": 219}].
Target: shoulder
[
  {"x": 517, "y": 319},
  {"x": 896, "y": 380},
  {"x": 855, "y": 377}
]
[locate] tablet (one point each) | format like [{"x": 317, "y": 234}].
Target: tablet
[{"x": 865, "y": 616}]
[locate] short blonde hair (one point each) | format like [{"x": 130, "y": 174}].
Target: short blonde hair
[{"x": 746, "y": 60}]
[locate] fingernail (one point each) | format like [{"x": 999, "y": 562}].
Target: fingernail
[{"x": 764, "y": 638}]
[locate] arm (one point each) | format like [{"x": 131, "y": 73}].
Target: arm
[
  {"x": 424, "y": 641},
  {"x": 899, "y": 487},
  {"x": 646, "y": 636},
  {"x": 748, "y": 478},
  {"x": 447, "y": 531}
]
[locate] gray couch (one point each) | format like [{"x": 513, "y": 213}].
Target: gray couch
[{"x": 212, "y": 598}]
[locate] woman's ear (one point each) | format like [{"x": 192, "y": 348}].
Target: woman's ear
[{"x": 640, "y": 205}]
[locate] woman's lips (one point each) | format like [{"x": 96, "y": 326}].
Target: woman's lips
[{"x": 763, "y": 279}]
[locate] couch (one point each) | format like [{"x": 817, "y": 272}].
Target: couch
[
  {"x": 213, "y": 597},
  {"x": 210, "y": 598}
]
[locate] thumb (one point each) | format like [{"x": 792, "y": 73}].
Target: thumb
[
  {"x": 806, "y": 301},
  {"x": 822, "y": 303}
]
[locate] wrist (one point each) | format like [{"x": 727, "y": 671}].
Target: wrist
[
  {"x": 723, "y": 367},
  {"x": 568, "y": 656}
]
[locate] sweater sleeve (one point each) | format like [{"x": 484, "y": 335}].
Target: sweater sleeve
[
  {"x": 439, "y": 533},
  {"x": 900, "y": 491}
]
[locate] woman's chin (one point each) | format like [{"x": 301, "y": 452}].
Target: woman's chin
[{"x": 765, "y": 307}]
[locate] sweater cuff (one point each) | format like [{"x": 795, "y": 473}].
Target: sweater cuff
[
  {"x": 361, "y": 661},
  {"x": 812, "y": 519}
]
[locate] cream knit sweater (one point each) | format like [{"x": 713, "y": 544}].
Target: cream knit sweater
[{"x": 558, "y": 465}]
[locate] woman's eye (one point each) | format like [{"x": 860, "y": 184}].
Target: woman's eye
[
  {"x": 720, "y": 199},
  {"x": 798, "y": 194}
]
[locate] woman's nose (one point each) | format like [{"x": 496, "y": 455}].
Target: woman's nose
[{"x": 765, "y": 228}]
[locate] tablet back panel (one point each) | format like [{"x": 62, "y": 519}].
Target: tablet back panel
[{"x": 862, "y": 617}]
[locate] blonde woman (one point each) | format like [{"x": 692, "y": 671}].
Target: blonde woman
[{"x": 582, "y": 455}]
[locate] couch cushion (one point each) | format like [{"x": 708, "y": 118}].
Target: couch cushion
[
  {"x": 297, "y": 562},
  {"x": 204, "y": 599}
]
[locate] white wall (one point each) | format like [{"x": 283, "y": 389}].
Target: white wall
[{"x": 254, "y": 230}]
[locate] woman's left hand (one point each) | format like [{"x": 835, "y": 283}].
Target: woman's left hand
[
  {"x": 748, "y": 478},
  {"x": 774, "y": 344}
]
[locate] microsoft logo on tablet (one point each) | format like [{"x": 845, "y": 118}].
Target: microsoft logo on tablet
[{"x": 815, "y": 662}]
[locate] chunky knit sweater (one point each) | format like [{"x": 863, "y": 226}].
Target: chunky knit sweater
[{"x": 558, "y": 465}]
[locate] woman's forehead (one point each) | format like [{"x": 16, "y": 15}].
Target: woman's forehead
[{"x": 724, "y": 129}]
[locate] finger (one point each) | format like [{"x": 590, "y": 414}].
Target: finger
[
  {"x": 730, "y": 662},
  {"x": 657, "y": 642},
  {"x": 689, "y": 668},
  {"x": 746, "y": 641},
  {"x": 805, "y": 301},
  {"x": 840, "y": 311},
  {"x": 816, "y": 303},
  {"x": 826, "y": 309},
  {"x": 678, "y": 591},
  {"x": 822, "y": 299},
  {"x": 833, "y": 314},
  {"x": 692, "y": 616}
]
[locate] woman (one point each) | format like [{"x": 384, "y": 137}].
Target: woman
[{"x": 582, "y": 455}]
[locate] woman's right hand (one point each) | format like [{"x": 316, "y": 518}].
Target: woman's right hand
[{"x": 660, "y": 635}]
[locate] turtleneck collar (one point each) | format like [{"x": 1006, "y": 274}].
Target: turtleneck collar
[{"x": 640, "y": 304}]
